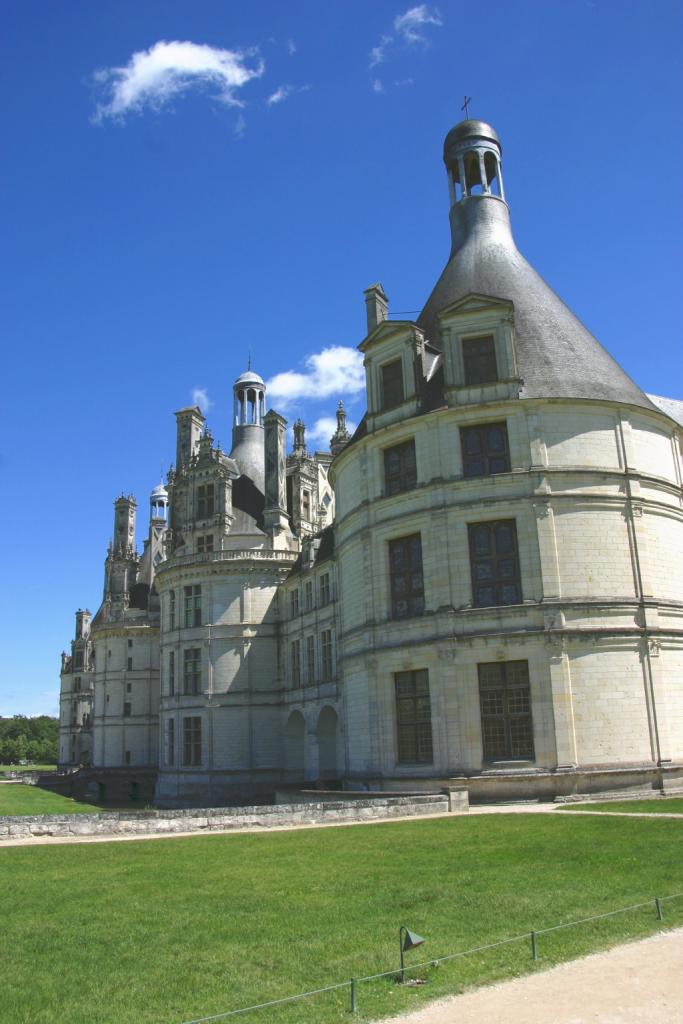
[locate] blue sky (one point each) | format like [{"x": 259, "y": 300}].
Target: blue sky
[{"x": 181, "y": 183}]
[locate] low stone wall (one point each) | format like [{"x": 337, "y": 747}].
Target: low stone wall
[{"x": 219, "y": 819}]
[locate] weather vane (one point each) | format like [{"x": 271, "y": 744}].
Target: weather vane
[{"x": 468, "y": 100}]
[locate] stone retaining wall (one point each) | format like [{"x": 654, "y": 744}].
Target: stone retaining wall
[{"x": 219, "y": 819}]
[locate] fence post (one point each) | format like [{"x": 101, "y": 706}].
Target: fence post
[
  {"x": 658, "y": 904},
  {"x": 353, "y": 995},
  {"x": 534, "y": 946}
]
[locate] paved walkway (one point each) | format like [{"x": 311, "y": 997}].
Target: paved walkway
[{"x": 639, "y": 983}]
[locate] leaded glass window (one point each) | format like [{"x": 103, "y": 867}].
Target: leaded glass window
[
  {"x": 494, "y": 563},
  {"x": 400, "y": 469},
  {"x": 413, "y": 717},
  {"x": 485, "y": 450},
  {"x": 407, "y": 583},
  {"x": 505, "y": 702},
  {"x": 479, "y": 360}
]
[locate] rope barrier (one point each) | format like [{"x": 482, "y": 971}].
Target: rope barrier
[{"x": 433, "y": 961}]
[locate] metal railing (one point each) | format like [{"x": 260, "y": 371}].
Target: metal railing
[{"x": 353, "y": 983}]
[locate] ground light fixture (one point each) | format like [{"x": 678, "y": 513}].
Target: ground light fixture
[{"x": 407, "y": 940}]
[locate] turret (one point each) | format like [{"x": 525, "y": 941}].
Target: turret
[
  {"x": 249, "y": 391},
  {"x": 496, "y": 321}
]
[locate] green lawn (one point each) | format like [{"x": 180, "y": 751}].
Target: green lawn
[
  {"x": 23, "y": 768},
  {"x": 657, "y": 805},
  {"x": 165, "y": 931},
  {"x": 16, "y": 798}
]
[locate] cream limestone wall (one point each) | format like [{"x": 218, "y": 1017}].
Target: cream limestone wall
[
  {"x": 240, "y": 680},
  {"x": 592, "y": 543},
  {"x": 119, "y": 739}
]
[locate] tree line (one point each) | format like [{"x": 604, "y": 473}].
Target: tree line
[{"x": 29, "y": 739}]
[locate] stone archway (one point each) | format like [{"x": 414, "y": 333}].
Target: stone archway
[
  {"x": 295, "y": 740},
  {"x": 327, "y": 735}
]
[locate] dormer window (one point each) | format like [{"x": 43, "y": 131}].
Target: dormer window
[
  {"x": 392, "y": 384},
  {"x": 479, "y": 360}
]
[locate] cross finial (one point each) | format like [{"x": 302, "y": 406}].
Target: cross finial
[
  {"x": 249, "y": 360},
  {"x": 465, "y": 106}
]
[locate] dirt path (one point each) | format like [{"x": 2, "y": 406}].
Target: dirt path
[{"x": 639, "y": 983}]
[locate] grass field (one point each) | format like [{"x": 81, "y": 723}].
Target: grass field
[
  {"x": 658, "y": 805},
  {"x": 16, "y": 798},
  {"x": 23, "y": 768},
  {"x": 165, "y": 931}
]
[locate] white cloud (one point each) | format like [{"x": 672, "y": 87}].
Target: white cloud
[
  {"x": 377, "y": 85},
  {"x": 201, "y": 398},
  {"x": 335, "y": 371},
  {"x": 378, "y": 54},
  {"x": 410, "y": 24},
  {"x": 323, "y": 429},
  {"x": 284, "y": 92},
  {"x": 291, "y": 47},
  {"x": 153, "y": 77},
  {"x": 240, "y": 126},
  {"x": 408, "y": 29},
  {"x": 280, "y": 94}
]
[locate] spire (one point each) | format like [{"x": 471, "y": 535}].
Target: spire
[
  {"x": 299, "y": 439},
  {"x": 341, "y": 436}
]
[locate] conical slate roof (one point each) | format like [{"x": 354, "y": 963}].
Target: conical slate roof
[{"x": 557, "y": 356}]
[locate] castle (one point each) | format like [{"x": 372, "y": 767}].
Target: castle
[{"x": 484, "y": 581}]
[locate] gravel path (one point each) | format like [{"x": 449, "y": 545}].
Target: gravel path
[{"x": 639, "y": 983}]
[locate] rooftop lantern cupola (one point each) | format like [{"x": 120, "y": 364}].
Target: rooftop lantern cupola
[
  {"x": 249, "y": 392},
  {"x": 472, "y": 154},
  {"x": 158, "y": 504}
]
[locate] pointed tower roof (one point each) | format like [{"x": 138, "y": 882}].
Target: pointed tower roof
[{"x": 557, "y": 356}]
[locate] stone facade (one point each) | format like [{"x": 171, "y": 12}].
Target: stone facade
[{"x": 486, "y": 580}]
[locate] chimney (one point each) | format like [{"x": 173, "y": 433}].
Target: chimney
[
  {"x": 275, "y": 511},
  {"x": 376, "y": 305}
]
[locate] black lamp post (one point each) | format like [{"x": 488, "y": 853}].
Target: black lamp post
[{"x": 407, "y": 940}]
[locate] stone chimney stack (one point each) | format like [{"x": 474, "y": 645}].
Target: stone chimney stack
[
  {"x": 275, "y": 511},
  {"x": 376, "y": 305}
]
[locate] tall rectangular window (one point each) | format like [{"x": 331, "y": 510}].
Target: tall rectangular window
[
  {"x": 392, "y": 384},
  {"x": 78, "y": 660},
  {"x": 295, "y": 656},
  {"x": 485, "y": 450},
  {"x": 479, "y": 360},
  {"x": 308, "y": 595},
  {"x": 205, "y": 544},
  {"x": 494, "y": 563},
  {"x": 310, "y": 659},
  {"x": 506, "y": 725},
  {"x": 413, "y": 717},
  {"x": 171, "y": 609},
  {"x": 192, "y": 670},
  {"x": 294, "y": 603},
  {"x": 326, "y": 654},
  {"x": 170, "y": 742},
  {"x": 306, "y": 505},
  {"x": 325, "y": 594},
  {"x": 129, "y": 665},
  {"x": 193, "y": 605},
  {"x": 400, "y": 469},
  {"x": 192, "y": 741},
  {"x": 127, "y": 709},
  {"x": 171, "y": 673},
  {"x": 407, "y": 584},
  {"x": 205, "y": 501}
]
